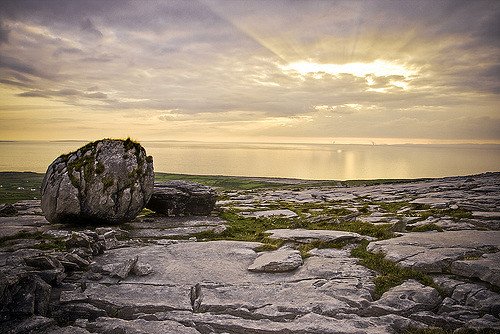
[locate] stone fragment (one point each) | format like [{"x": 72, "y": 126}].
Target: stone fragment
[
  {"x": 32, "y": 324},
  {"x": 7, "y": 210},
  {"x": 196, "y": 297},
  {"x": 68, "y": 330},
  {"x": 487, "y": 323},
  {"x": 53, "y": 277},
  {"x": 107, "y": 181},
  {"x": 73, "y": 311},
  {"x": 27, "y": 296},
  {"x": 486, "y": 268},
  {"x": 432, "y": 319},
  {"x": 142, "y": 269},
  {"x": 43, "y": 262},
  {"x": 176, "y": 198},
  {"x": 286, "y": 213},
  {"x": 79, "y": 239},
  {"x": 123, "y": 269},
  {"x": 407, "y": 298},
  {"x": 281, "y": 260},
  {"x": 76, "y": 259}
]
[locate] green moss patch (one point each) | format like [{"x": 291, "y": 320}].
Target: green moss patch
[{"x": 390, "y": 274}]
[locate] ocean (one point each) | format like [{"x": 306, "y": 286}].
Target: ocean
[{"x": 304, "y": 161}]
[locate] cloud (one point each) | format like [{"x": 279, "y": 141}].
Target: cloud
[
  {"x": 4, "y": 33},
  {"x": 88, "y": 26},
  {"x": 68, "y": 93},
  {"x": 311, "y": 68}
]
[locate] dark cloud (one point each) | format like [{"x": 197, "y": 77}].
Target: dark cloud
[
  {"x": 67, "y": 51},
  {"x": 14, "y": 83},
  {"x": 104, "y": 58},
  {"x": 65, "y": 93},
  {"x": 88, "y": 26},
  {"x": 18, "y": 66},
  {"x": 34, "y": 93},
  {"x": 4, "y": 33}
]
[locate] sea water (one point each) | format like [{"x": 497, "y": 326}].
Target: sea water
[{"x": 305, "y": 161}]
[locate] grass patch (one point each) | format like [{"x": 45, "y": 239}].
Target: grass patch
[
  {"x": 246, "y": 228},
  {"x": 390, "y": 274},
  {"x": 47, "y": 242},
  {"x": 392, "y": 207},
  {"x": 219, "y": 181},
  {"x": 425, "y": 228},
  {"x": 16, "y": 186}
]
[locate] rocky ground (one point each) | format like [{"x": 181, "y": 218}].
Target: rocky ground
[{"x": 421, "y": 256}]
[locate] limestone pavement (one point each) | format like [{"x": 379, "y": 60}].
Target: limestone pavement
[{"x": 158, "y": 274}]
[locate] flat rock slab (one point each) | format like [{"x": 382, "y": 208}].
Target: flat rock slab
[
  {"x": 166, "y": 227},
  {"x": 311, "y": 323},
  {"x": 407, "y": 298},
  {"x": 329, "y": 285},
  {"x": 437, "y": 251},
  {"x": 281, "y": 260},
  {"x": 307, "y": 236},
  {"x": 10, "y": 226},
  {"x": 486, "y": 268},
  {"x": 113, "y": 325},
  {"x": 271, "y": 213}
]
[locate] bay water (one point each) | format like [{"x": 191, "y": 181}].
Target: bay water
[{"x": 304, "y": 161}]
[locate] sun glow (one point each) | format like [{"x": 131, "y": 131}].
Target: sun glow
[{"x": 377, "y": 68}]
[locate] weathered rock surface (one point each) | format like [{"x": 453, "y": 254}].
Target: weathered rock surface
[
  {"x": 306, "y": 236},
  {"x": 107, "y": 181},
  {"x": 405, "y": 299},
  {"x": 159, "y": 226},
  {"x": 436, "y": 252},
  {"x": 281, "y": 260},
  {"x": 155, "y": 277},
  {"x": 175, "y": 198},
  {"x": 271, "y": 213}
]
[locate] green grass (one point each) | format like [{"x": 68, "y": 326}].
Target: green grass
[
  {"x": 18, "y": 186},
  {"x": 425, "y": 228},
  {"x": 246, "y": 228},
  {"x": 390, "y": 274},
  {"x": 392, "y": 207},
  {"x": 47, "y": 242},
  {"x": 219, "y": 181}
]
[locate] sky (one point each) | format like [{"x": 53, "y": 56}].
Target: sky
[{"x": 251, "y": 71}]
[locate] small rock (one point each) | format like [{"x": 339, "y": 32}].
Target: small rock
[
  {"x": 286, "y": 213},
  {"x": 140, "y": 269},
  {"x": 76, "y": 259},
  {"x": 78, "y": 239},
  {"x": 123, "y": 269},
  {"x": 43, "y": 262},
  {"x": 7, "y": 210},
  {"x": 281, "y": 260},
  {"x": 407, "y": 298},
  {"x": 53, "y": 277},
  {"x": 182, "y": 198}
]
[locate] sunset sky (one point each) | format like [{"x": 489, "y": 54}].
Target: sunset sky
[{"x": 271, "y": 71}]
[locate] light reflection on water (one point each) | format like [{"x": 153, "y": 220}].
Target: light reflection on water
[{"x": 339, "y": 162}]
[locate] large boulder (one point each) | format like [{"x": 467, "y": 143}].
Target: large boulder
[
  {"x": 176, "y": 198},
  {"x": 107, "y": 181}
]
